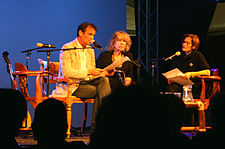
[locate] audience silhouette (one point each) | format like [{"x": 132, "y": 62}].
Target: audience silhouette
[
  {"x": 50, "y": 125},
  {"x": 13, "y": 111},
  {"x": 213, "y": 136},
  {"x": 139, "y": 116},
  {"x": 134, "y": 116},
  {"x": 175, "y": 111}
]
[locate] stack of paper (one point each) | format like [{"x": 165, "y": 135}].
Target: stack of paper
[{"x": 175, "y": 75}]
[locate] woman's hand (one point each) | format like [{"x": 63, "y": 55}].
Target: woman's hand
[
  {"x": 169, "y": 81},
  {"x": 127, "y": 81},
  {"x": 187, "y": 75},
  {"x": 111, "y": 72}
]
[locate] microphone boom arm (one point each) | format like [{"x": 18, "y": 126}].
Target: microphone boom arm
[
  {"x": 29, "y": 50},
  {"x": 52, "y": 50}
]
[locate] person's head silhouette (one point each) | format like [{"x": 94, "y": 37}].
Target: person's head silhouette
[
  {"x": 50, "y": 122},
  {"x": 13, "y": 112}
]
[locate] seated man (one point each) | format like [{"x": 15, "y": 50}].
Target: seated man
[{"x": 79, "y": 64}]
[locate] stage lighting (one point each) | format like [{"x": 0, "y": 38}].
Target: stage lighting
[{"x": 220, "y": 1}]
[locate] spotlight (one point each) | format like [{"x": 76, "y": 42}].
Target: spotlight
[{"x": 220, "y": 1}]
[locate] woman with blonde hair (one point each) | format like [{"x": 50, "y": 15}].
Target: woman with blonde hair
[{"x": 118, "y": 47}]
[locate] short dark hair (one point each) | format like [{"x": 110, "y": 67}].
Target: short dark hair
[
  {"x": 83, "y": 27},
  {"x": 195, "y": 40}
]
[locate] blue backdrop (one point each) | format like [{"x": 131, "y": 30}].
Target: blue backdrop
[{"x": 23, "y": 23}]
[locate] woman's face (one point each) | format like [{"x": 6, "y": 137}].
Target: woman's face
[
  {"x": 120, "y": 45},
  {"x": 187, "y": 45}
]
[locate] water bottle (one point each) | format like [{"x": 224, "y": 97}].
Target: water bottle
[{"x": 187, "y": 93}]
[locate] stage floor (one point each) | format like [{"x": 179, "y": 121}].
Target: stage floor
[
  {"x": 26, "y": 138},
  {"x": 31, "y": 142}
]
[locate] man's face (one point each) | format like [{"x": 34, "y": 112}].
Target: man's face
[{"x": 87, "y": 37}]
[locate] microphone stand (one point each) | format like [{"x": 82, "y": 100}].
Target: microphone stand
[
  {"x": 48, "y": 58},
  {"x": 48, "y": 52},
  {"x": 28, "y": 52},
  {"x": 138, "y": 67},
  {"x": 154, "y": 61}
]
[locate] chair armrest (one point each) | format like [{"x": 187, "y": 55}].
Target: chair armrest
[
  {"x": 24, "y": 73},
  {"x": 216, "y": 78},
  {"x": 28, "y": 73},
  {"x": 66, "y": 80},
  {"x": 62, "y": 79}
]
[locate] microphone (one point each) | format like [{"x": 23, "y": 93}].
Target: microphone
[
  {"x": 133, "y": 62},
  {"x": 96, "y": 45},
  {"x": 41, "y": 45},
  {"x": 170, "y": 57}
]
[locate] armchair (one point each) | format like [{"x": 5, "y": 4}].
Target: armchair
[
  {"x": 210, "y": 86},
  {"x": 22, "y": 74},
  {"x": 67, "y": 99}
]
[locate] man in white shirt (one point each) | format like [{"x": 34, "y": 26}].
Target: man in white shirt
[{"x": 79, "y": 65}]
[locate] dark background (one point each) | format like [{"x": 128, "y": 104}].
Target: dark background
[{"x": 179, "y": 17}]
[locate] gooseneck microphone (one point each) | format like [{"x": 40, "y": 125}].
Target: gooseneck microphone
[
  {"x": 41, "y": 45},
  {"x": 170, "y": 57},
  {"x": 96, "y": 45},
  {"x": 133, "y": 62}
]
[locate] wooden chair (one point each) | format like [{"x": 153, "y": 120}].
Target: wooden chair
[
  {"x": 69, "y": 99},
  {"x": 22, "y": 74},
  {"x": 210, "y": 86}
]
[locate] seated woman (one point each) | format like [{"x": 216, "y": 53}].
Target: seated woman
[
  {"x": 118, "y": 47},
  {"x": 192, "y": 63}
]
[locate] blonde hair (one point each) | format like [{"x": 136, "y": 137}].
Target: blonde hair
[{"x": 118, "y": 35}]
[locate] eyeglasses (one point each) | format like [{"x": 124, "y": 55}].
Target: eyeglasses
[{"x": 187, "y": 42}]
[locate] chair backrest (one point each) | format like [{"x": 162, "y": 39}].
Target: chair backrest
[
  {"x": 214, "y": 72},
  {"x": 22, "y": 79},
  {"x": 53, "y": 67},
  {"x": 20, "y": 67},
  {"x": 216, "y": 84},
  {"x": 53, "y": 70},
  {"x": 210, "y": 86}
]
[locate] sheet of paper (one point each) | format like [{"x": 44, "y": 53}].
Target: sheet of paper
[
  {"x": 116, "y": 63},
  {"x": 176, "y": 76}
]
